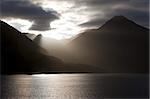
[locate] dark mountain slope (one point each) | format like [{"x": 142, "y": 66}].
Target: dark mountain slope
[
  {"x": 20, "y": 54},
  {"x": 120, "y": 45}
]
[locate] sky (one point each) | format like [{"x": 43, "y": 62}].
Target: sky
[{"x": 62, "y": 19}]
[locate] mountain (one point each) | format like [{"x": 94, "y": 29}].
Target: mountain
[
  {"x": 59, "y": 49},
  {"x": 29, "y": 35},
  {"x": 19, "y": 54},
  {"x": 120, "y": 45}
]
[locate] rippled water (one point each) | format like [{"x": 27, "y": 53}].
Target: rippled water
[{"x": 74, "y": 86}]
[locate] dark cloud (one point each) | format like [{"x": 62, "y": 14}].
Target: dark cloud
[
  {"x": 96, "y": 11},
  {"x": 102, "y": 10},
  {"x": 24, "y": 9},
  {"x": 94, "y": 23},
  {"x": 140, "y": 17},
  {"x": 101, "y": 2}
]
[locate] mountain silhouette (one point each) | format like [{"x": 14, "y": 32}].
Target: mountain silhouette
[
  {"x": 120, "y": 45},
  {"x": 22, "y": 55}
]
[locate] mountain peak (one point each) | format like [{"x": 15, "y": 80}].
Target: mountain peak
[
  {"x": 120, "y": 17},
  {"x": 119, "y": 22}
]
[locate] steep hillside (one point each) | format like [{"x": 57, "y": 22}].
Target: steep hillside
[{"x": 120, "y": 45}]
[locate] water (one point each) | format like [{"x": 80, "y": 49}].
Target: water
[{"x": 75, "y": 86}]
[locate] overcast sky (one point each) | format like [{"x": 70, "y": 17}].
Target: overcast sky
[{"x": 65, "y": 18}]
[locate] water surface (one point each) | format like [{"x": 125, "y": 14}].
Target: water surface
[{"x": 74, "y": 86}]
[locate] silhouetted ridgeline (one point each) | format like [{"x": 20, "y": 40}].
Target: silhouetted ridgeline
[
  {"x": 22, "y": 55},
  {"x": 120, "y": 45}
]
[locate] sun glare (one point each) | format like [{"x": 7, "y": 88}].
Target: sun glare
[
  {"x": 20, "y": 24},
  {"x": 63, "y": 28},
  {"x": 67, "y": 24},
  {"x": 45, "y": 75}
]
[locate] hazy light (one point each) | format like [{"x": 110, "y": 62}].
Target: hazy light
[
  {"x": 20, "y": 24},
  {"x": 63, "y": 28},
  {"x": 67, "y": 25},
  {"x": 45, "y": 75}
]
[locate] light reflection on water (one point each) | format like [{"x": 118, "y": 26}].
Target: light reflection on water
[{"x": 74, "y": 86}]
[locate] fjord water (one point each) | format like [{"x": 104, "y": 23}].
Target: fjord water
[{"x": 74, "y": 86}]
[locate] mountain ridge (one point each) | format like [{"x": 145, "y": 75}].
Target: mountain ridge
[
  {"x": 118, "y": 46},
  {"x": 20, "y": 55},
  {"x": 120, "y": 20}
]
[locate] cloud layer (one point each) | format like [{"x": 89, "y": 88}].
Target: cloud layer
[
  {"x": 74, "y": 16},
  {"x": 25, "y": 9},
  {"x": 100, "y": 11}
]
